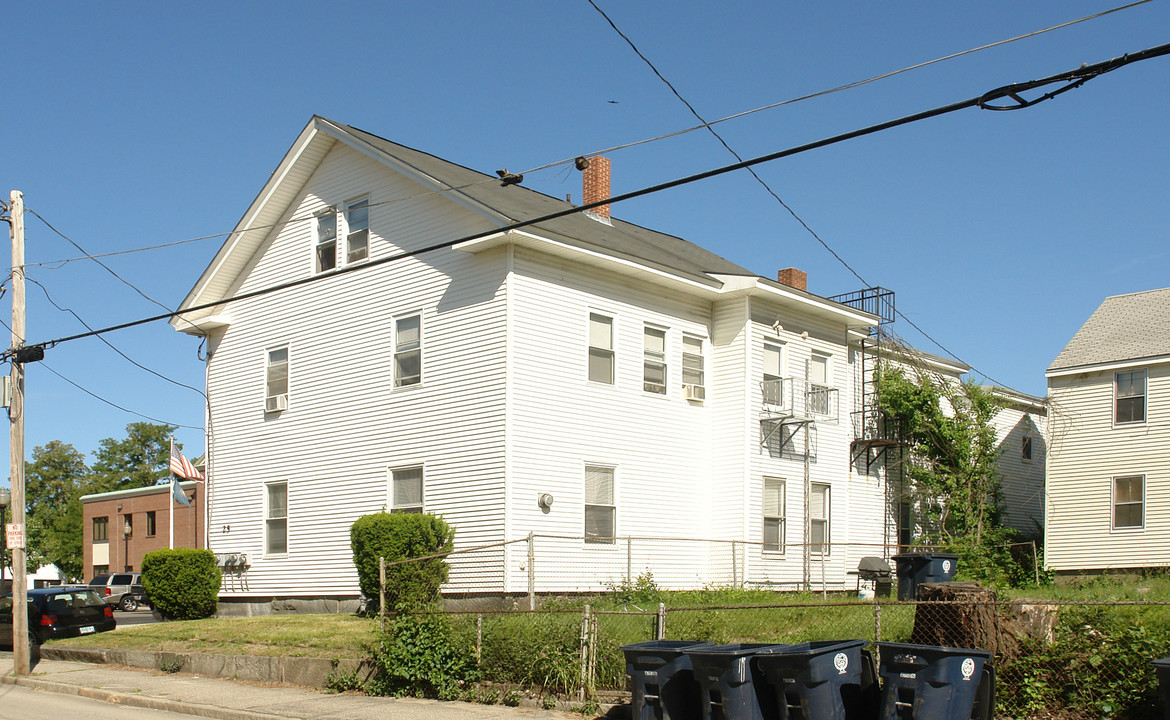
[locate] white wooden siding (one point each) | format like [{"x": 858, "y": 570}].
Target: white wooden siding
[
  {"x": 346, "y": 424},
  {"x": 1022, "y": 481},
  {"x": 1085, "y": 452}
]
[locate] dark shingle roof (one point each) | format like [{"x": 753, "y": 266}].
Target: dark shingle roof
[
  {"x": 519, "y": 203},
  {"x": 1124, "y": 327}
]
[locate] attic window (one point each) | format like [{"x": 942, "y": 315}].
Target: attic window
[
  {"x": 326, "y": 244},
  {"x": 357, "y": 230}
]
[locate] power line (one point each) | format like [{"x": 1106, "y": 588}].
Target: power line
[
  {"x": 129, "y": 359},
  {"x": 767, "y": 187},
  {"x": 705, "y": 125},
  {"x": 1072, "y": 78}
]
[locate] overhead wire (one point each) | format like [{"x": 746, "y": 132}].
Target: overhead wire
[
  {"x": 1077, "y": 76},
  {"x": 128, "y": 359},
  {"x": 705, "y": 125},
  {"x": 709, "y": 126}
]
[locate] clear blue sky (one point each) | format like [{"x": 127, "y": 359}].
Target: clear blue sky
[{"x": 129, "y": 125}]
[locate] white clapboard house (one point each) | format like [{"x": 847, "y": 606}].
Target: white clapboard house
[{"x": 634, "y": 401}]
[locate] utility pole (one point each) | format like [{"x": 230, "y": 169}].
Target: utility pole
[{"x": 20, "y": 645}]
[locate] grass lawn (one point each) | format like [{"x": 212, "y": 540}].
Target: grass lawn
[{"x": 327, "y": 636}]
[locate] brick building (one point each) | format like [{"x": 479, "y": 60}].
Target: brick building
[{"x": 120, "y": 527}]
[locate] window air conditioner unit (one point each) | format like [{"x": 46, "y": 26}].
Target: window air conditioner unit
[
  {"x": 276, "y": 403},
  {"x": 694, "y": 392}
]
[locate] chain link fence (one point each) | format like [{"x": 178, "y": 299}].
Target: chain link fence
[{"x": 1053, "y": 660}]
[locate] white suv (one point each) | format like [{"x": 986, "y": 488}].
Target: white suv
[{"x": 122, "y": 590}]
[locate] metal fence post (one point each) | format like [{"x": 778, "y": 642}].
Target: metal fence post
[
  {"x": 629, "y": 561},
  {"x": 381, "y": 592},
  {"x": 660, "y": 623},
  {"x": 584, "y": 652},
  {"x": 734, "y": 565},
  {"x": 479, "y": 638},
  {"x": 531, "y": 571}
]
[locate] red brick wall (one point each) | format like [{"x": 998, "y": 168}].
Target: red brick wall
[
  {"x": 793, "y": 277},
  {"x": 130, "y": 551},
  {"x": 595, "y": 185}
]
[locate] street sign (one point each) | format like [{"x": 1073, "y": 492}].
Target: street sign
[{"x": 15, "y": 534}]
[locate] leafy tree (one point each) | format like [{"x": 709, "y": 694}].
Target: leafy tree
[
  {"x": 55, "y": 480},
  {"x": 952, "y": 464},
  {"x": 138, "y": 460}
]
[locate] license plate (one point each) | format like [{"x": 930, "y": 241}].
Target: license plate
[{"x": 87, "y": 629}]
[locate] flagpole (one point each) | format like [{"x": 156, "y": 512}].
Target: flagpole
[{"x": 171, "y": 500}]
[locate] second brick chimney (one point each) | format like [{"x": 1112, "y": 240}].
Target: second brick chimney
[
  {"x": 793, "y": 277},
  {"x": 595, "y": 179}
]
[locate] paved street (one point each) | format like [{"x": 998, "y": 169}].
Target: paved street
[
  {"x": 142, "y": 616},
  {"x": 227, "y": 699},
  {"x": 19, "y": 703}
]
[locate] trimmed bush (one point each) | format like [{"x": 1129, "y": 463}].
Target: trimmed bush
[
  {"x": 182, "y": 584},
  {"x": 401, "y": 536}
]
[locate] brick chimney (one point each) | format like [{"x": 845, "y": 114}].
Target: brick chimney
[
  {"x": 595, "y": 179},
  {"x": 793, "y": 277}
]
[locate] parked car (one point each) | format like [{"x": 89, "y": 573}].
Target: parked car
[
  {"x": 56, "y": 612},
  {"x": 123, "y": 590}
]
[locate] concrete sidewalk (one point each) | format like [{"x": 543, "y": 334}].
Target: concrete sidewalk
[{"x": 230, "y": 700}]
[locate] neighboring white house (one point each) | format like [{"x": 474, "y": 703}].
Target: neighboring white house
[
  {"x": 634, "y": 401},
  {"x": 1108, "y": 501}
]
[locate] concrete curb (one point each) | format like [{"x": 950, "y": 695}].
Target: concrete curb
[
  {"x": 303, "y": 671},
  {"x": 141, "y": 701}
]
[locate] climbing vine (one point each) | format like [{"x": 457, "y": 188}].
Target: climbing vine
[{"x": 952, "y": 465}]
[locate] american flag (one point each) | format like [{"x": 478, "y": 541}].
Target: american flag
[{"x": 181, "y": 466}]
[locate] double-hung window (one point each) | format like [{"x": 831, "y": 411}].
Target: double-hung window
[
  {"x": 600, "y": 509},
  {"x": 1129, "y": 502},
  {"x": 1129, "y": 397},
  {"x": 774, "y": 514},
  {"x": 600, "y": 349},
  {"x": 408, "y": 351},
  {"x": 818, "y": 388},
  {"x": 406, "y": 490},
  {"x": 276, "y": 518},
  {"x": 357, "y": 230},
  {"x": 692, "y": 366},
  {"x": 325, "y": 251},
  {"x": 276, "y": 380},
  {"x": 818, "y": 524},
  {"x": 773, "y": 386},
  {"x": 654, "y": 374}
]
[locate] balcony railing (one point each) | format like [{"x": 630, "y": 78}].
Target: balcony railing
[{"x": 798, "y": 398}]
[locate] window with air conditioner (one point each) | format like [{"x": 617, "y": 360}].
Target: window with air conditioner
[
  {"x": 692, "y": 368},
  {"x": 276, "y": 380},
  {"x": 1129, "y": 397},
  {"x": 276, "y": 518},
  {"x": 654, "y": 364},
  {"x": 600, "y": 508},
  {"x": 357, "y": 230},
  {"x": 818, "y": 513},
  {"x": 406, "y": 490},
  {"x": 773, "y": 383},
  {"x": 774, "y": 489},
  {"x": 408, "y": 351}
]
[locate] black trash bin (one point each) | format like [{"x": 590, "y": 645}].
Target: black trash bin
[
  {"x": 827, "y": 680},
  {"x": 914, "y": 569},
  {"x": 1162, "y": 668},
  {"x": 922, "y": 682},
  {"x": 730, "y": 685},
  {"x": 661, "y": 681}
]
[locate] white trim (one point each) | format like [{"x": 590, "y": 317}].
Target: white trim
[
  {"x": 265, "y": 518},
  {"x": 1106, "y": 367},
  {"x": 1145, "y": 400}
]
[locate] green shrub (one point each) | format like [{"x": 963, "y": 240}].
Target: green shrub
[
  {"x": 182, "y": 584},
  {"x": 421, "y": 655},
  {"x": 400, "y": 536}
]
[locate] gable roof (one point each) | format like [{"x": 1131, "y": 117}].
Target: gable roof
[
  {"x": 1124, "y": 328},
  {"x": 499, "y": 206}
]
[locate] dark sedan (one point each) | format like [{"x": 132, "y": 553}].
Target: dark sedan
[{"x": 59, "y": 613}]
